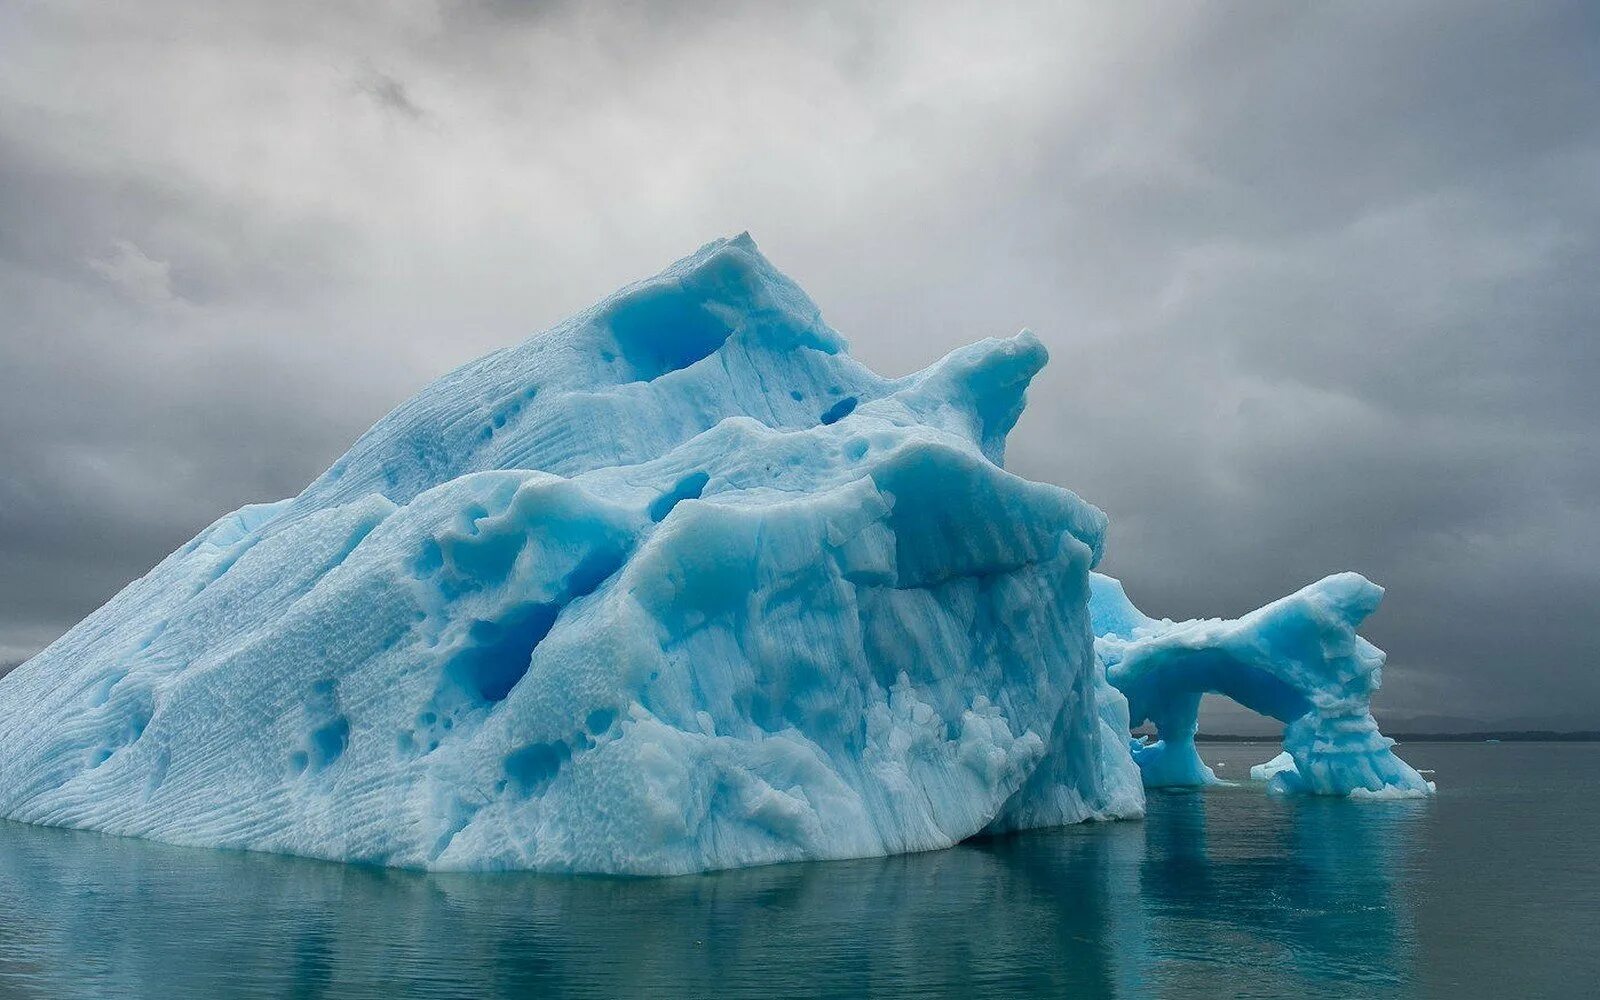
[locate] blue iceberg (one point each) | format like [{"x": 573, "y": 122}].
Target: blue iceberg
[
  {"x": 1297, "y": 660},
  {"x": 675, "y": 586}
]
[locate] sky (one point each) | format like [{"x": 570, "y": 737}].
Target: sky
[{"x": 1319, "y": 282}]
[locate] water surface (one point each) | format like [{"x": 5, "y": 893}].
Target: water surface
[{"x": 1491, "y": 890}]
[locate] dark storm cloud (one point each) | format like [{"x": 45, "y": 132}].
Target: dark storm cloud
[
  {"x": 391, "y": 94},
  {"x": 1318, "y": 282},
  {"x": 1376, "y": 354}
]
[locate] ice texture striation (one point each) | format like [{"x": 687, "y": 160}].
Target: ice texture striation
[
  {"x": 677, "y": 585},
  {"x": 1297, "y": 660}
]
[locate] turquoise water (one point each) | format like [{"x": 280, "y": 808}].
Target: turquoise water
[{"x": 1491, "y": 890}]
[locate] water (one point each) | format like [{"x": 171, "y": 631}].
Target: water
[{"x": 1491, "y": 890}]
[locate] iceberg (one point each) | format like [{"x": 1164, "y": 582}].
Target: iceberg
[
  {"x": 677, "y": 585},
  {"x": 1297, "y": 660}
]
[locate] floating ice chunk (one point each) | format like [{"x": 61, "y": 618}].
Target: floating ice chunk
[
  {"x": 1277, "y": 765},
  {"x": 1391, "y": 793}
]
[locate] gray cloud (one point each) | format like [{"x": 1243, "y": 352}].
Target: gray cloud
[
  {"x": 391, "y": 94},
  {"x": 1318, "y": 282}
]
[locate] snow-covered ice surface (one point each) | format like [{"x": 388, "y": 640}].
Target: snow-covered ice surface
[
  {"x": 1297, "y": 660},
  {"x": 677, "y": 585}
]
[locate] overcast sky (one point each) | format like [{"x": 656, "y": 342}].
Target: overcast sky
[{"x": 1320, "y": 283}]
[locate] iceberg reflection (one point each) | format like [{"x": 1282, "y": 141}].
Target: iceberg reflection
[{"x": 1218, "y": 893}]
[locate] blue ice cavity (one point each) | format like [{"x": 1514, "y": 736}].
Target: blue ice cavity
[
  {"x": 1297, "y": 660},
  {"x": 677, "y": 585}
]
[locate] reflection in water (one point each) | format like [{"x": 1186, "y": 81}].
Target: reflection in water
[
  {"x": 1297, "y": 894},
  {"x": 1303, "y": 889}
]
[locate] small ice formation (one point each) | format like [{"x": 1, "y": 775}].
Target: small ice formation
[
  {"x": 1266, "y": 771},
  {"x": 675, "y": 586},
  {"x": 1297, "y": 660}
]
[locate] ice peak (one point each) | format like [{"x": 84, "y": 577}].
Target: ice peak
[{"x": 988, "y": 381}]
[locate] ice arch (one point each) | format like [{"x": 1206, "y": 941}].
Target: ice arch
[{"x": 1297, "y": 660}]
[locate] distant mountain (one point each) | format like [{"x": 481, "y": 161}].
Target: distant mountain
[
  {"x": 1221, "y": 719},
  {"x": 1557, "y": 722},
  {"x": 1229, "y": 723}
]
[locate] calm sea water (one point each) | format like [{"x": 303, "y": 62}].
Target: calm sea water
[{"x": 1491, "y": 890}]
